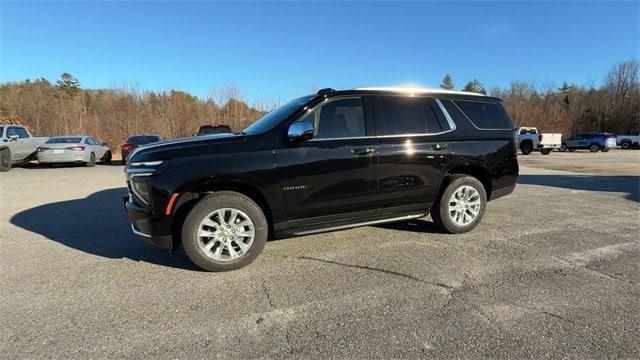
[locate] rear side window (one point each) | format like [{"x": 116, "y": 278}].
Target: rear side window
[
  {"x": 408, "y": 115},
  {"x": 485, "y": 115}
]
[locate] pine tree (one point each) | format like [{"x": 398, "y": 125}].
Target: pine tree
[
  {"x": 447, "y": 83},
  {"x": 68, "y": 84},
  {"x": 475, "y": 86}
]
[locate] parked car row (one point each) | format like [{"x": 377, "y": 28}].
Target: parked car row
[
  {"x": 529, "y": 139},
  {"x": 18, "y": 145}
]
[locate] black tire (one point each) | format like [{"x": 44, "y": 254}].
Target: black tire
[
  {"x": 563, "y": 147},
  {"x": 526, "y": 148},
  {"x": 210, "y": 203},
  {"x": 625, "y": 145},
  {"x": 604, "y": 149},
  {"x": 106, "y": 159},
  {"x": 594, "y": 148},
  {"x": 92, "y": 160},
  {"x": 571, "y": 149},
  {"x": 439, "y": 211},
  {"x": 5, "y": 160},
  {"x": 545, "y": 151}
]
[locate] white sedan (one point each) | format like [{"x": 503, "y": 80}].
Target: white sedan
[{"x": 73, "y": 149}]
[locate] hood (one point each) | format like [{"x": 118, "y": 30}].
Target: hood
[{"x": 166, "y": 149}]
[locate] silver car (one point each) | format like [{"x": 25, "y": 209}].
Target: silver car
[{"x": 73, "y": 149}]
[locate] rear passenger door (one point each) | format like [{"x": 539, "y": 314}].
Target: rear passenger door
[{"x": 415, "y": 143}]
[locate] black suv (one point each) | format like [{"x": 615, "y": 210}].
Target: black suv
[{"x": 329, "y": 161}]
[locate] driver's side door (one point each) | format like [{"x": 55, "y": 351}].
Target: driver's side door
[
  {"x": 20, "y": 146},
  {"x": 332, "y": 174}
]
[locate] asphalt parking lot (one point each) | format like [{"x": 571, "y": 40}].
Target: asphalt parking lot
[{"x": 553, "y": 271}]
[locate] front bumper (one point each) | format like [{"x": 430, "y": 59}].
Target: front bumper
[{"x": 153, "y": 231}]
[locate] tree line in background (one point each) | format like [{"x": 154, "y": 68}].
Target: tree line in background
[{"x": 112, "y": 115}]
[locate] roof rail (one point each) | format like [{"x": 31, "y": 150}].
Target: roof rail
[{"x": 325, "y": 91}]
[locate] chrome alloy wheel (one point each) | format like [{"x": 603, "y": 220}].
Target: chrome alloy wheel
[
  {"x": 225, "y": 234},
  {"x": 464, "y": 205}
]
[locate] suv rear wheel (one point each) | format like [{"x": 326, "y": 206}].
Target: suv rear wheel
[
  {"x": 224, "y": 231},
  {"x": 594, "y": 148},
  {"x": 461, "y": 205}
]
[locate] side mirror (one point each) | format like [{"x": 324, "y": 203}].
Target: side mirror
[
  {"x": 105, "y": 144},
  {"x": 300, "y": 131},
  {"x": 13, "y": 137}
]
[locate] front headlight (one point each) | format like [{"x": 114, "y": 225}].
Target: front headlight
[{"x": 141, "y": 191}]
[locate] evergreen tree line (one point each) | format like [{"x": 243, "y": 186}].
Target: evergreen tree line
[{"x": 112, "y": 115}]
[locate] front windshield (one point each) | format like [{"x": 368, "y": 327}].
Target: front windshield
[{"x": 273, "y": 118}]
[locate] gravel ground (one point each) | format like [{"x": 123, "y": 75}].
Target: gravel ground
[{"x": 553, "y": 271}]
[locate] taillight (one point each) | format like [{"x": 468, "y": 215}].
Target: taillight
[
  {"x": 540, "y": 138},
  {"x": 127, "y": 147},
  {"x": 76, "y": 148},
  {"x": 41, "y": 149}
]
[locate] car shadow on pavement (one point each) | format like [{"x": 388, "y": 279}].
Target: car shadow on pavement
[
  {"x": 416, "y": 225},
  {"x": 622, "y": 184},
  {"x": 96, "y": 225}
]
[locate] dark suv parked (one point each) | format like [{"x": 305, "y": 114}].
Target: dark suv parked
[{"x": 329, "y": 161}]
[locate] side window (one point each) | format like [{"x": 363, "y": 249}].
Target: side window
[
  {"x": 339, "y": 118},
  {"x": 93, "y": 141},
  {"x": 22, "y": 133},
  {"x": 485, "y": 115},
  {"x": 408, "y": 115},
  {"x": 14, "y": 130},
  {"x": 11, "y": 131}
]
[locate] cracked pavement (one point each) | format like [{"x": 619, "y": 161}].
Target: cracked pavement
[{"x": 553, "y": 271}]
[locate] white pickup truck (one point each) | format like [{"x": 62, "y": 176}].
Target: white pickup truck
[
  {"x": 530, "y": 140},
  {"x": 17, "y": 144},
  {"x": 628, "y": 141}
]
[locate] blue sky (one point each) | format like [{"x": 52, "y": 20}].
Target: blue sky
[{"x": 278, "y": 50}]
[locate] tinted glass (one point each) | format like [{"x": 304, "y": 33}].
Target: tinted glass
[
  {"x": 64, "y": 140},
  {"x": 142, "y": 139},
  {"x": 1, "y": 130},
  {"x": 338, "y": 119},
  {"x": 485, "y": 115},
  {"x": 12, "y": 130},
  {"x": 408, "y": 115},
  {"x": 273, "y": 118}
]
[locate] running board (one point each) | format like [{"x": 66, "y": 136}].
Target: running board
[{"x": 366, "y": 223}]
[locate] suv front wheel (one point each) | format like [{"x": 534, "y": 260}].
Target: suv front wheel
[
  {"x": 224, "y": 231},
  {"x": 461, "y": 205}
]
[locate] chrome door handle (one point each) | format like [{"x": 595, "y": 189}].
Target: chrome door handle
[{"x": 362, "y": 151}]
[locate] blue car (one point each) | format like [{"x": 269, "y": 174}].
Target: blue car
[{"x": 593, "y": 142}]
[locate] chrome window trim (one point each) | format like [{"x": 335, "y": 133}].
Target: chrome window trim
[{"x": 452, "y": 124}]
